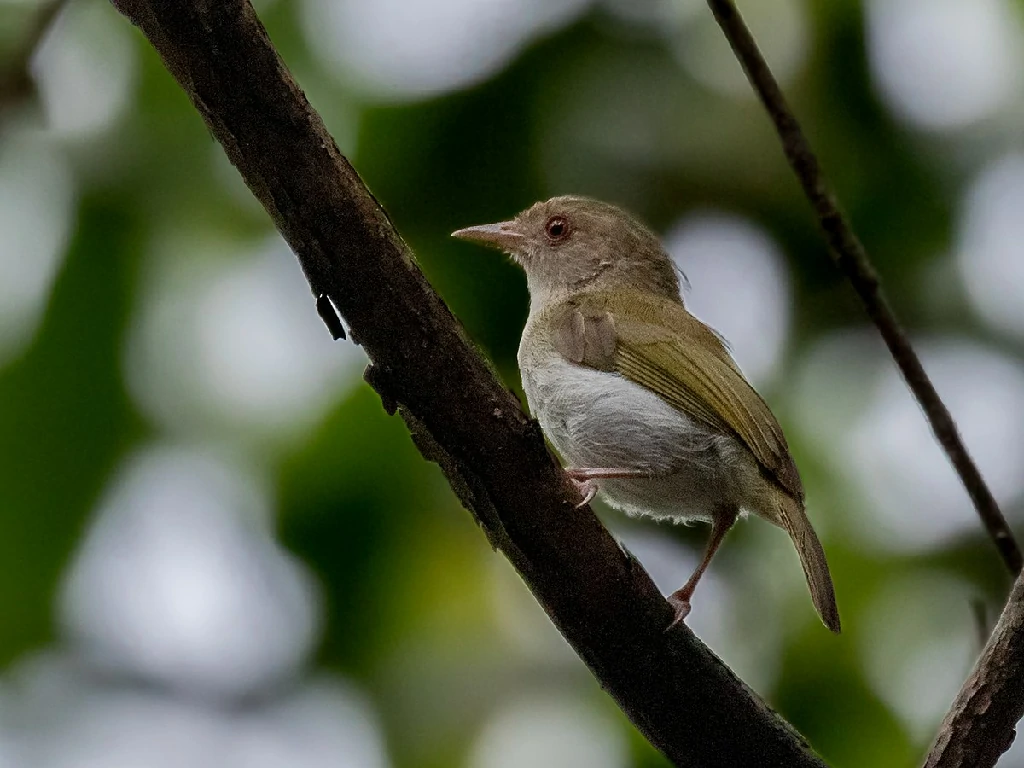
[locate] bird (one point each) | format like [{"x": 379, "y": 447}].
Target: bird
[{"x": 642, "y": 400}]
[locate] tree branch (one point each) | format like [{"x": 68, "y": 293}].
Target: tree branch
[
  {"x": 980, "y": 725},
  {"x": 680, "y": 696},
  {"x": 852, "y": 260}
]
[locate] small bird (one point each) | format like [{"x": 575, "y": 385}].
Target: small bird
[{"x": 642, "y": 399}]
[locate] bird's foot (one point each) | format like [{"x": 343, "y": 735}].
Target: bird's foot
[
  {"x": 587, "y": 489},
  {"x": 681, "y": 604},
  {"x": 583, "y": 478}
]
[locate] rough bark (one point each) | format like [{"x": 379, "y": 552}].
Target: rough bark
[{"x": 979, "y": 726}]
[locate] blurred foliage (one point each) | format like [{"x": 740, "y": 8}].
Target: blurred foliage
[{"x": 417, "y": 612}]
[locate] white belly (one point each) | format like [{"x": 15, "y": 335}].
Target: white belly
[{"x": 600, "y": 419}]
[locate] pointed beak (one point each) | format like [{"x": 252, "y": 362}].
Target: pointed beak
[{"x": 501, "y": 235}]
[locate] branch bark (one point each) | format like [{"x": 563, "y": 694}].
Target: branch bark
[
  {"x": 853, "y": 261},
  {"x": 680, "y": 696},
  {"x": 980, "y": 725}
]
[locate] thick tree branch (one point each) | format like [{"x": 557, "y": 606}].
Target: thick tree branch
[
  {"x": 673, "y": 688},
  {"x": 980, "y": 725},
  {"x": 852, "y": 260}
]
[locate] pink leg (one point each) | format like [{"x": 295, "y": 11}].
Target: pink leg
[
  {"x": 587, "y": 489},
  {"x": 680, "y": 599},
  {"x": 584, "y": 478}
]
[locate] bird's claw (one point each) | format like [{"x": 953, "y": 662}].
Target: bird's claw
[
  {"x": 681, "y": 606},
  {"x": 587, "y": 489}
]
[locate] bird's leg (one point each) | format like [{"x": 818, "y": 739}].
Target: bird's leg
[
  {"x": 584, "y": 477},
  {"x": 721, "y": 522},
  {"x": 604, "y": 473}
]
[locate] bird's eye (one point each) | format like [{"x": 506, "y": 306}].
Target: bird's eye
[{"x": 557, "y": 228}]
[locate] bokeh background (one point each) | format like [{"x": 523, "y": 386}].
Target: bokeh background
[{"x": 216, "y": 549}]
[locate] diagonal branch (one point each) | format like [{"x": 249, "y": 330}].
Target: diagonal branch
[
  {"x": 980, "y": 725},
  {"x": 852, "y": 260},
  {"x": 680, "y": 696}
]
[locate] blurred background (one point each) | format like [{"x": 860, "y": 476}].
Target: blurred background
[{"x": 216, "y": 549}]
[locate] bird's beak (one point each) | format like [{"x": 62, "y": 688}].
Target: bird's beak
[{"x": 501, "y": 235}]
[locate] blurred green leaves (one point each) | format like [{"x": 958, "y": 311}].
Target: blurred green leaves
[{"x": 65, "y": 421}]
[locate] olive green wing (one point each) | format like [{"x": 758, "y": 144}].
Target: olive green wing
[{"x": 658, "y": 344}]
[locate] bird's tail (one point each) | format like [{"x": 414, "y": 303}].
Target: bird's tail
[{"x": 812, "y": 558}]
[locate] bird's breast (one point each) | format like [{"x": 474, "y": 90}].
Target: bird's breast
[{"x": 599, "y": 418}]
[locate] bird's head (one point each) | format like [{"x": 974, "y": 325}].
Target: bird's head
[{"x": 571, "y": 244}]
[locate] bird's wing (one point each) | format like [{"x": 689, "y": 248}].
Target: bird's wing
[{"x": 657, "y": 343}]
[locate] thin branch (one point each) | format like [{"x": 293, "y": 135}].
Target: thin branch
[
  {"x": 852, "y": 260},
  {"x": 680, "y": 696},
  {"x": 980, "y": 725},
  {"x": 16, "y": 81}
]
